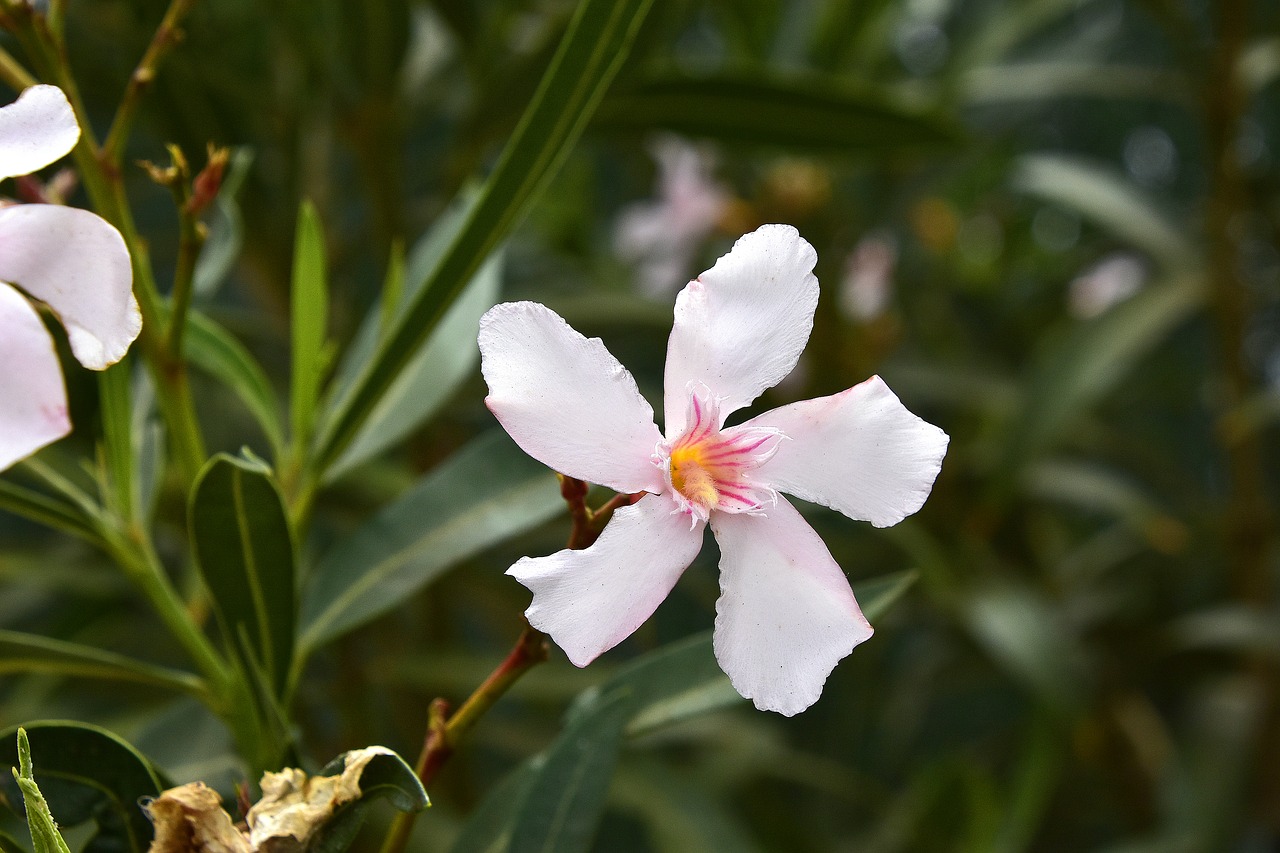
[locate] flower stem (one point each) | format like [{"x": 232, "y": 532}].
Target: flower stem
[
  {"x": 100, "y": 170},
  {"x": 168, "y": 34},
  {"x": 444, "y": 731}
]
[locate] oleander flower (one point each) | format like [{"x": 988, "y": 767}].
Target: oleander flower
[
  {"x": 71, "y": 261},
  {"x": 786, "y": 614},
  {"x": 662, "y": 236}
]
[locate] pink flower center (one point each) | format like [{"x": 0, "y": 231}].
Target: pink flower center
[{"x": 711, "y": 469}]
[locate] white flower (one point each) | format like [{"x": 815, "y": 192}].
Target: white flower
[
  {"x": 786, "y": 613},
  {"x": 70, "y": 260},
  {"x": 662, "y": 236}
]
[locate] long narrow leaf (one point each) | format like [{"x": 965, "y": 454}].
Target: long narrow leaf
[
  {"x": 808, "y": 113},
  {"x": 488, "y": 491},
  {"x": 310, "y": 310},
  {"x": 21, "y": 652},
  {"x": 214, "y": 350},
  {"x": 244, "y": 549},
  {"x": 594, "y": 47}
]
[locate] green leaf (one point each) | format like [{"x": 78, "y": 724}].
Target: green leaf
[
  {"x": 1072, "y": 375},
  {"x": 596, "y": 43},
  {"x": 21, "y": 652},
  {"x": 567, "y": 797},
  {"x": 1106, "y": 197},
  {"x": 681, "y": 816},
  {"x": 1038, "y": 81},
  {"x": 44, "y": 832},
  {"x": 386, "y": 776},
  {"x": 310, "y": 313},
  {"x": 878, "y": 595},
  {"x": 488, "y": 828},
  {"x": 432, "y": 376},
  {"x": 217, "y": 352},
  {"x": 811, "y": 113},
  {"x": 115, "y": 395},
  {"x": 87, "y": 773},
  {"x": 486, "y": 492},
  {"x": 51, "y": 512},
  {"x": 1026, "y": 632},
  {"x": 244, "y": 550}
]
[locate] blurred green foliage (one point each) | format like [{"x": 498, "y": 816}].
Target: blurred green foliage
[{"x": 1089, "y": 659}]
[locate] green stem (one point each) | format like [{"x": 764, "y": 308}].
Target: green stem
[
  {"x": 444, "y": 731},
  {"x": 13, "y": 74},
  {"x": 168, "y": 34},
  {"x": 140, "y": 563},
  {"x": 191, "y": 241}
]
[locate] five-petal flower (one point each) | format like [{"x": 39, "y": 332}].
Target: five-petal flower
[
  {"x": 786, "y": 614},
  {"x": 70, "y": 260}
]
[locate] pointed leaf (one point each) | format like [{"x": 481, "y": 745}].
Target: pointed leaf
[
  {"x": 1072, "y": 375},
  {"x": 87, "y": 773},
  {"x": 1110, "y": 200},
  {"x": 810, "y": 113},
  {"x": 682, "y": 680},
  {"x": 244, "y": 550},
  {"x": 566, "y": 799},
  {"x": 217, "y": 352},
  {"x": 310, "y": 314},
  {"x": 593, "y": 49},
  {"x": 486, "y": 492},
  {"x": 45, "y": 837},
  {"x": 436, "y": 371},
  {"x": 20, "y": 652}
]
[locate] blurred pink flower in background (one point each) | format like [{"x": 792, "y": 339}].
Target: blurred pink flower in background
[
  {"x": 70, "y": 260},
  {"x": 786, "y": 613},
  {"x": 1109, "y": 282},
  {"x": 662, "y": 237},
  {"x": 867, "y": 286}
]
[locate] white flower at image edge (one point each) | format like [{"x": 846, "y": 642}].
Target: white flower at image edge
[
  {"x": 786, "y": 614},
  {"x": 72, "y": 261}
]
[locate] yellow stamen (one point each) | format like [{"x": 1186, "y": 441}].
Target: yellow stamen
[{"x": 690, "y": 477}]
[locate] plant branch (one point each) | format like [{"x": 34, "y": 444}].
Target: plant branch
[
  {"x": 444, "y": 731},
  {"x": 168, "y": 34}
]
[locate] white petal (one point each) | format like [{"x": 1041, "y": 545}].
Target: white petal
[
  {"x": 591, "y": 600},
  {"x": 740, "y": 326},
  {"x": 860, "y": 452},
  {"x": 566, "y": 400},
  {"x": 34, "y": 408},
  {"x": 786, "y": 614},
  {"x": 76, "y": 263},
  {"x": 35, "y": 130}
]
